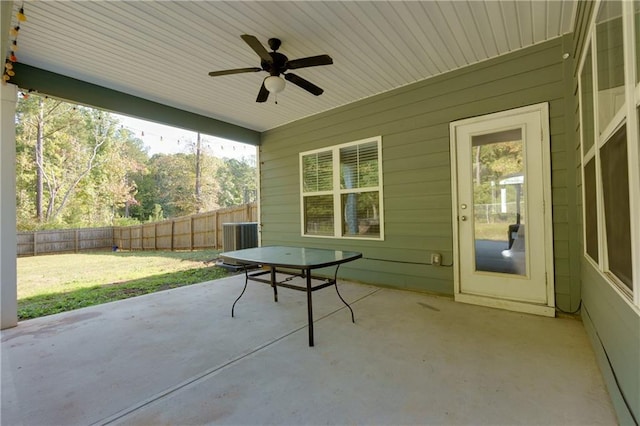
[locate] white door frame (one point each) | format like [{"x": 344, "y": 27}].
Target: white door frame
[{"x": 547, "y": 308}]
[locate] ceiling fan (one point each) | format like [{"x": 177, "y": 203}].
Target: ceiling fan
[{"x": 275, "y": 63}]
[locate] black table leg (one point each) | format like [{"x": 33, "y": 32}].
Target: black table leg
[
  {"x": 309, "y": 306},
  {"x": 335, "y": 283},
  {"x": 246, "y": 280},
  {"x": 274, "y": 284}
]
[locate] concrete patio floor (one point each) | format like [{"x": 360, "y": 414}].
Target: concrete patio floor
[{"x": 178, "y": 358}]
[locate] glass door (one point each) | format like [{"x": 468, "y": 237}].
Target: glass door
[{"x": 502, "y": 223}]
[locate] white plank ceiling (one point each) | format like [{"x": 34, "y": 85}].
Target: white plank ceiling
[{"x": 163, "y": 50}]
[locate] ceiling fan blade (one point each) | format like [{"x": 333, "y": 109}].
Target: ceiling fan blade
[
  {"x": 306, "y": 85},
  {"x": 263, "y": 94},
  {"x": 257, "y": 47},
  {"x": 234, "y": 71},
  {"x": 311, "y": 61}
]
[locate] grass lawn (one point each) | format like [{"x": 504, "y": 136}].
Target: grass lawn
[
  {"x": 491, "y": 231},
  {"x": 63, "y": 282}
]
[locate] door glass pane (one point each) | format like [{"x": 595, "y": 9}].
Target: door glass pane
[
  {"x": 499, "y": 202},
  {"x": 610, "y": 61}
]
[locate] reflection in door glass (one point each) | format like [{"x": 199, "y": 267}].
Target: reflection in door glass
[{"x": 499, "y": 202}]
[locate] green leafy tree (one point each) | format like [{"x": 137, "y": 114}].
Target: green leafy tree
[
  {"x": 494, "y": 162},
  {"x": 169, "y": 181},
  {"x": 72, "y": 165},
  {"x": 40, "y": 121},
  {"x": 157, "y": 214},
  {"x": 206, "y": 185},
  {"x": 237, "y": 181},
  {"x": 174, "y": 182},
  {"x": 78, "y": 166}
]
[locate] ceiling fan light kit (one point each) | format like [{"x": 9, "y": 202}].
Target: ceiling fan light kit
[
  {"x": 277, "y": 64},
  {"x": 274, "y": 84}
]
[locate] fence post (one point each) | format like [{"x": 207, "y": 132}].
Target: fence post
[
  {"x": 35, "y": 243},
  {"x": 75, "y": 241},
  {"x": 215, "y": 226},
  {"x": 173, "y": 227},
  {"x": 191, "y": 233}
]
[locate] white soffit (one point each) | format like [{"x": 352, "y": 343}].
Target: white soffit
[{"x": 163, "y": 50}]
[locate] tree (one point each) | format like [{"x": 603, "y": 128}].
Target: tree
[
  {"x": 170, "y": 183},
  {"x": 237, "y": 183},
  {"x": 494, "y": 162},
  {"x": 40, "y": 119},
  {"x": 72, "y": 164},
  {"x": 205, "y": 167},
  {"x": 77, "y": 166},
  {"x": 157, "y": 214}
]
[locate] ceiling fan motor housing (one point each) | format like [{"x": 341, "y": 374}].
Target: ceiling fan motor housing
[{"x": 277, "y": 66}]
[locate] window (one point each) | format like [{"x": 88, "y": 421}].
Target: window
[
  {"x": 609, "y": 63},
  {"x": 615, "y": 191},
  {"x": 590, "y": 207},
  {"x": 609, "y": 99},
  {"x": 586, "y": 91},
  {"x": 317, "y": 182},
  {"x": 341, "y": 191}
]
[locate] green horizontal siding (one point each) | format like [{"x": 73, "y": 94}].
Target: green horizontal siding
[
  {"x": 414, "y": 124},
  {"x": 615, "y": 328},
  {"x": 613, "y": 325}
]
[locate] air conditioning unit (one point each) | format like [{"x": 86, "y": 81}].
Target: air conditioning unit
[{"x": 238, "y": 236}]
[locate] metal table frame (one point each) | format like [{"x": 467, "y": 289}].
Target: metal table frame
[{"x": 279, "y": 266}]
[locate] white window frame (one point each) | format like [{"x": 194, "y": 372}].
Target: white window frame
[
  {"x": 627, "y": 116},
  {"x": 337, "y": 192}
]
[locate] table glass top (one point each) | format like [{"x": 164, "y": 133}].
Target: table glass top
[{"x": 299, "y": 257}]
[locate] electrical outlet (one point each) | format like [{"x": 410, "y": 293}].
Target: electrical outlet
[{"x": 436, "y": 259}]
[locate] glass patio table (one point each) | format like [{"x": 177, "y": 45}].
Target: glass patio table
[{"x": 285, "y": 260}]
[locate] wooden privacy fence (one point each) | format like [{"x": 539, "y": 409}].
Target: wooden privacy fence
[
  {"x": 198, "y": 231},
  {"x": 64, "y": 241}
]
